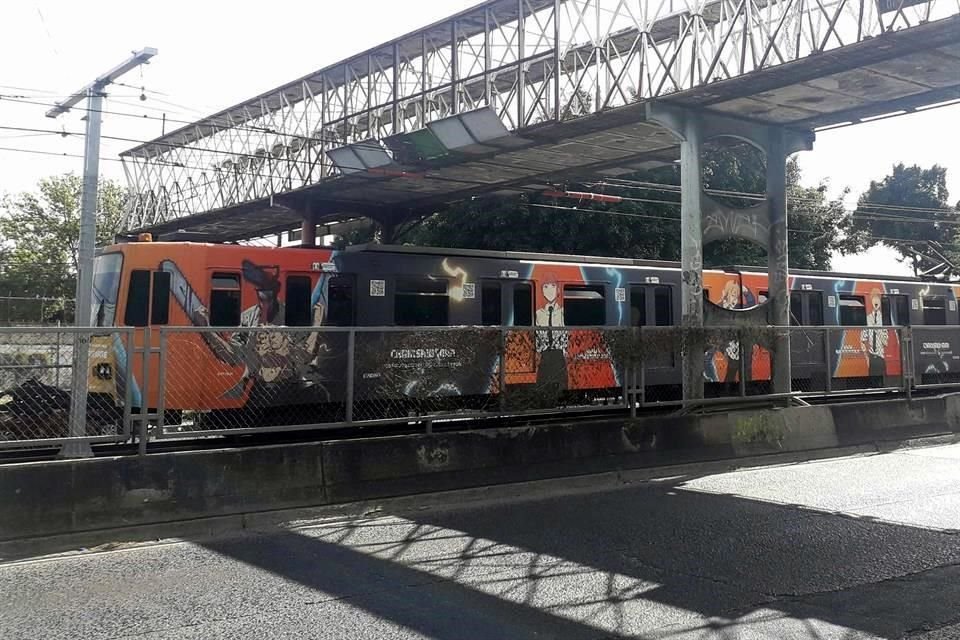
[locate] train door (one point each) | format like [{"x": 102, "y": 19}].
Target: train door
[
  {"x": 651, "y": 306},
  {"x": 807, "y": 345},
  {"x": 517, "y": 304},
  {"x": 147, "y": 309}
]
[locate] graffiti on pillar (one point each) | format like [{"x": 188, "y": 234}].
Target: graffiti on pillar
[{"x": 736, "y": 224}]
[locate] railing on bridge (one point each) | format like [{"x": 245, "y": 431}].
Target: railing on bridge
[
  {"x": 530, "y": 61},
  {"x": 269, "y": 379}
]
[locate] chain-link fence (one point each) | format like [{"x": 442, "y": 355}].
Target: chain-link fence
[
  {"x": 177, "y": 382},
  {"x": 36, "y": 379}
]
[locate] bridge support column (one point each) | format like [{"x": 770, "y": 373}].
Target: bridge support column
[
  {"x": 691, "y": 257},
  {"x": 778, "y": 259},
  {"x": 704, "y": 220},
  {"x": 308, "y": 228}
]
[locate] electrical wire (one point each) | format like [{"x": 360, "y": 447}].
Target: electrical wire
[{"x": 863, "y": 215}]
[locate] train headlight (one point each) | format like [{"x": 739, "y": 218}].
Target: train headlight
[{"x": 103, "y": 371}]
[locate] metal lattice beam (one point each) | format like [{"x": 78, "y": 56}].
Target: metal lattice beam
[{"x": 533, "y": 62}]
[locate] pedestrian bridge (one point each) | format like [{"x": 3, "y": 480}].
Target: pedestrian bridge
[{"x": 515, "y": 95}]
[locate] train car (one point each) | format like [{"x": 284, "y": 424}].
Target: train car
[{"x": 550, "y": 307}]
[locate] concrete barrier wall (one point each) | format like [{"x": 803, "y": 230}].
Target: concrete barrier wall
[{"x": 71, "y": 496}]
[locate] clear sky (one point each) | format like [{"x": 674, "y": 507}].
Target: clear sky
[{"x": 214, "y": 54}]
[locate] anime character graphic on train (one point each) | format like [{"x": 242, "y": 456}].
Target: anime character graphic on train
[
  {"x": 275, "y": 364},
  {"x": 551, "y": 312}
]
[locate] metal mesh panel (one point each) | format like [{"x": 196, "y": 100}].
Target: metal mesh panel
[
  {"x": 425, "y": 371},
  {"x": 563, "y": 368},
  {"x": 247, "y": 378},
  {"x": 36, "y": 374}
]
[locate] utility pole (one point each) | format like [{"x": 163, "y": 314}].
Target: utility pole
[{"x": 93, "y": 93}]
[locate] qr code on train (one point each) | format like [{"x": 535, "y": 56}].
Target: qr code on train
[{"x": 378, "y": 288}]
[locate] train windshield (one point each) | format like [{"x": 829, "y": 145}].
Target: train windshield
[{"x": 106, "y": 285}]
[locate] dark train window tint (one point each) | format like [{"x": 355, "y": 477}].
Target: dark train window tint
[
  {"x": 490, "y": 303},
  {"x": 663, "y": 306},
  {"x": 298, "y": 302},
  {"x": 421, "y": 303},
  {"x": 138, "y": 299},
  {"x": 934, "y": 310},
  {"x": 852, "y": 311},
  {"x": 638, "y": 306},
  {"x": 225, "y": 300},
  {"x": 160, "y": 298},
  {"x": 522, "y": 305},
  {"x": 796, "y": 308},
  {"x": 815, "y": 308},
  {"x": 340, "y": 302},
  {"x": 225, "y": 281},
  {"x": 584, "y": 306},
  {"x": 896, "y": 311}
]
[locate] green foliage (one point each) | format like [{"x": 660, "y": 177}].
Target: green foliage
[
  {"x": 39, "y": 234},
  {"x": 906, "y": 210}
]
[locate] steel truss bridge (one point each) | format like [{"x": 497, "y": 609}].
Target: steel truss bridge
[{"x": 519, "y": 94}]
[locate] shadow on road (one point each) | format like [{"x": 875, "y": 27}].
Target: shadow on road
[{"x": 623, "y": 563}]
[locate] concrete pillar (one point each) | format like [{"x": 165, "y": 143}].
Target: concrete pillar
[
  {"x": 691, "y": 254},
  {"x": 777, "y": 258},
  {"x": 308, "y": 228}
]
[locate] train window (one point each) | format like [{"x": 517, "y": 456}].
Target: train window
[
  {"x": 814, "y": 308},
  {"x": 225, "y": 281},
  {"x": 421, "y": 303},
  {"x": 934, "y": 310},
  {"x": 225, "y": 300},
  {"x": 340, "y": 302},
  {"x": 584, "y": 305},
  {"x": 160, "y": 298},
  {"x": 522, "y": 305},
  {"x": 896, "y": 311},
  {"x": 638, "y": 306},
  {"x": 663, "y": 306},
  {"x": 297, "y": 303},
  {"x": 796, "y": 308},
  {"x": 853, "y": 313},
  {"x": 651, "y": 303},
  {"x": 490, "y": 303},
  {"x": 138, "y": 299}
]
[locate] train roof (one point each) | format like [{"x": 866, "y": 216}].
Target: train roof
[
  {"x": 627, "y": 262},
  {"x": 550, "y": 257}
]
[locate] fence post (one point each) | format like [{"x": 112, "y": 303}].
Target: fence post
[
  {"x": 129, "y": 381},
  {"x": 827, "y": 365},
  {"x": 161, "y": 381},
  {"x": 906, "y": 361},
  {"x": 57, "y": 364},
  {"x": 78, "y": 446},
  {"x": 742, "y": 363},
  {"x": 143, "y": 429},
  {"x": 351, "y": 356},
  {"x": 503, "y": 370}
]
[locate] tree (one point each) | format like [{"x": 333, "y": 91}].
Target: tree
[
  {"x": 646, "y": 225},
  {"x": 39, "y": 234},
  {"x": 907, "y": 210}
]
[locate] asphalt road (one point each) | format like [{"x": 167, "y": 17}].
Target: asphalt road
[{"x": 858, "y": 547}]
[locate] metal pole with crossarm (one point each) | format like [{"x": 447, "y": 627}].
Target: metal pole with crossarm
[{"x": 93, "y": 94}]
